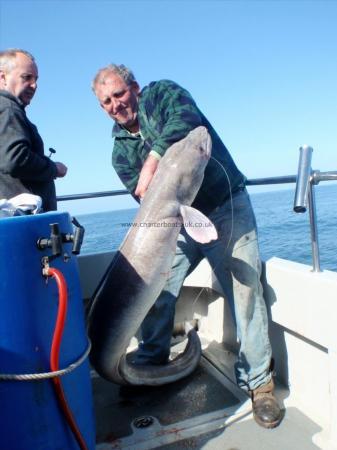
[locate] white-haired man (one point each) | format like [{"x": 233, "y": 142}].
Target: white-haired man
[{"x": 147, "y": 122}]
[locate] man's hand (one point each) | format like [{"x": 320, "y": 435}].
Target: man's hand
[
  {"x": 61, "y": 169},
  {"x": 145, "y": 176}
]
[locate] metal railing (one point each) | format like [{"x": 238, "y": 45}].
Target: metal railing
[
  {"x": 64, "y": 198},
  {"x": 253, "y": 182},
  {"x": 305, "y": 180}
]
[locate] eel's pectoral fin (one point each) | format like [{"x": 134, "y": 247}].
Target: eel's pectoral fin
[{"x": 197, "y": 225}]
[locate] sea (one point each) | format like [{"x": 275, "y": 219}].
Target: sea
[{"x": 282, "y": 232}]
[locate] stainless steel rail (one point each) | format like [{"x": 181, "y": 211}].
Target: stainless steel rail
[
  {"x": 304, "y": 193},
  {"x": 64, "y": 198},
  {"x": 253, "y": 182},
  {"x": 272, "y": 180}
]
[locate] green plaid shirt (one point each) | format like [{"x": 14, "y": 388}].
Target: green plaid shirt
[{"x": 166, "y": 114}]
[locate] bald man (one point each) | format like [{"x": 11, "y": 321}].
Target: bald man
[{"x": 24, "y": 168}]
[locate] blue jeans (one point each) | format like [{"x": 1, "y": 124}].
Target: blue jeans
[{"x": 235, "y": 260}]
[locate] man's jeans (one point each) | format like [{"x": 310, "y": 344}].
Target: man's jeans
[{"x": 235, "y": 260}]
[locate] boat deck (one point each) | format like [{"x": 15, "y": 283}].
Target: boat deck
[
  {"x": 203, "y": 411},
  {"x": 207, "y": 410}
]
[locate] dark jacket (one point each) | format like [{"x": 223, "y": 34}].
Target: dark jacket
[
  {"x": 23, "y": 166},
  {"x": 166, "y": 114}
]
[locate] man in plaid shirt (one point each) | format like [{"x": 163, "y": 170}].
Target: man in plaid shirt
[{"x": 147, "y": 122}]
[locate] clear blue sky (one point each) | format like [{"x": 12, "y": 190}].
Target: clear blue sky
[{"x": 263, "y": 72}]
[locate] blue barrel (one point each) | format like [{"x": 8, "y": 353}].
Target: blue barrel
[{"x": 30, "y": 417}]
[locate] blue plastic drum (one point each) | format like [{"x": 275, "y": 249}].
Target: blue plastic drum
[{"x": 30, "y": 416}]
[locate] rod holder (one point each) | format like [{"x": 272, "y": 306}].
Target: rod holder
[
  {"x": 305, "y": 194},
  {"x": 303, "y": 179}
]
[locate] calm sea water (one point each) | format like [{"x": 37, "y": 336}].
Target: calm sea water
[{"x": 282, "y": 232}]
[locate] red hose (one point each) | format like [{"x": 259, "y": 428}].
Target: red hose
[{"x": 55, "y": 353}]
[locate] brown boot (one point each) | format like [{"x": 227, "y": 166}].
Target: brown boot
[{"x": 266, "y": 410}]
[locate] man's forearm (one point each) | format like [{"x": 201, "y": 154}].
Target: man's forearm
[{"x": 146, "y": 175}]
